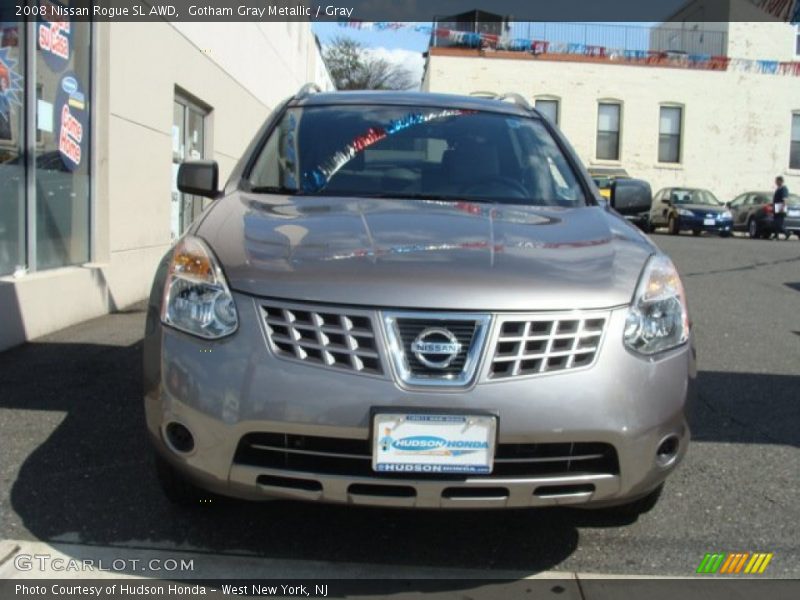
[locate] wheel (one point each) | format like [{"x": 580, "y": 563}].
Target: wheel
[
  {"x": 176, "y": 487},
  {"x": 696, "y": 232},
  {"x": 649, "y": 227},
  {"x": 673, "y": 226},
  {"x": 753, "y": 229}
]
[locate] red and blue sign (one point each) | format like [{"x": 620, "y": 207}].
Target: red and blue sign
[{"x": 72, "y": 121}]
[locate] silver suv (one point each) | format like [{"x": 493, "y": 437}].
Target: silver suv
[{"x": 414, "y": 300}]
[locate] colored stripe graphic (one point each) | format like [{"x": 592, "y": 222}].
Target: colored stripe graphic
[
  {"x": 758, "y": 564},
  {"x": 733, "y": 563},
  {"x": 711, "y": 562}
]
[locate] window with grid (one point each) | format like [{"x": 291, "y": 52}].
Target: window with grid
[
  {"x": 669, "y": 134},
  {"x": 608, "y": 130}
]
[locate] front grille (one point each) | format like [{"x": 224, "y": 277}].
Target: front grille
[
  {"x": 353, "y": 458},
  {"x": 409, "y": 329},
  {"x": 533, "y": 346},
  {"x": 423, "y": 348},
  {"x": 327, "y": 337}
]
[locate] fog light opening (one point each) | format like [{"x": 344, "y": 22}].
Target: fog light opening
[
  {"x": 179, "y": 438},
  {"x": 667, "y": 450}
]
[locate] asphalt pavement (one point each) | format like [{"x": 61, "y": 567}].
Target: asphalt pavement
[{"x": 75, "y": 468}]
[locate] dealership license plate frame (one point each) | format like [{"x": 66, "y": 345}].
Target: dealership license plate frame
[
  {"x": 709, "y": 222},
  {"x": 430, "y": 418}
]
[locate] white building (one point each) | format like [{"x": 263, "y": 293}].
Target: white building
[
  {"x": 88, "y": 203},
  {"x": 724, "y": 129}
]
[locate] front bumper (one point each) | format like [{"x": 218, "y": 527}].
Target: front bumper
[
  {"x": 226, "y": 390},
  {"x": 699, "y": 224}
]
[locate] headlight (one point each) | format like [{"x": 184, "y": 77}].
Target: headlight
[
  {"x": 685, "y": 212},
  {"x": 727, "y": 215},
  {"x": 196, "y": 296},
  {"x": 657, "y": 319}
]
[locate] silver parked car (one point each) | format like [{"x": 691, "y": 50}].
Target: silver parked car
[{"x": 415, "y": 300}]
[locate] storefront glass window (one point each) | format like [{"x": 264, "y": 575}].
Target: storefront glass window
[
  {"x": 62, "y": 154},
  {"x": 188, "y": 143},
  {"x": 12, "y": 155}
]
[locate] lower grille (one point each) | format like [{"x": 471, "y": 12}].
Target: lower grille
[{"x": 350, "y": 457}]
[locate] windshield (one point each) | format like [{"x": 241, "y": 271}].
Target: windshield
[
  {"x": 683, "y": 196},
  {"x": 407, "y": 152}
]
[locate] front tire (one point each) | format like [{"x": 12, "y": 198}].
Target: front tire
[
  {"x": 673, "y": 226},
  {"x": 178, "y": 490},
  {"x": 752, "y": 229},
  {"x": 639, "y": 506}
]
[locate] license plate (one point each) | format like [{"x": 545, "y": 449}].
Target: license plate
[
  {"x": 709, "y": 222},
  {"x": 793, "y": 213},
  {"x": 433, "y": 443}
]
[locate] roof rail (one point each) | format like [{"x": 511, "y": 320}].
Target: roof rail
[
  {"x": 483, "y": 94},
  {"x": 309, "y": 88},
  {"x": 517, "y": 99}
]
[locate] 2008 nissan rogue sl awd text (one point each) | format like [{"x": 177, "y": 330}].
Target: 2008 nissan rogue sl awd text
[{"x": 415, "y": 300}]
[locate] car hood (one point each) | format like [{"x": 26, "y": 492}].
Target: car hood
[{"x": 425, "y": 254}]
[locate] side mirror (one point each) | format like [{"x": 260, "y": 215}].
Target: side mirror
[
  {"x": 199, "y": 178},
  {"x": 631, "y": 197}
]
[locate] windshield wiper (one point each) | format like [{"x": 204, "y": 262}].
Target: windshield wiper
[{"x": 275, "y": 189}]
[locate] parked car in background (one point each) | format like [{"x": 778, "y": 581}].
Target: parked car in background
[
  {"x": 792, "y": 221},
  {"x": 753, "y": 213},
  {"x": 689, "y": 209},
  {"x": 604, "y": 177},
  {"x": 632, "y": 198}
]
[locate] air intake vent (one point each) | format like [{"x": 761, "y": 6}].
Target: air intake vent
[
  {"x": 323, "y": 336},
  {"x": 534, "y": 346}
]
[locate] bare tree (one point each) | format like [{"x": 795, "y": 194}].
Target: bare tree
[{"x": 353, "y": 67}]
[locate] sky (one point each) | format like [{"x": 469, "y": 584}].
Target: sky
[{"x": 402, "y": 46}]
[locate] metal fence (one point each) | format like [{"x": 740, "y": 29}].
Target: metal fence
[{"x": 675, "y": 37}]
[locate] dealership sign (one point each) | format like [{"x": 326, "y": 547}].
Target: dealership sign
[
  {"x": 54, "y": 41},
  {"x": 72, "y": 121}
]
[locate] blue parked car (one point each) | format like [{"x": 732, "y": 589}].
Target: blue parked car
[{"x": 689, "y": 209}]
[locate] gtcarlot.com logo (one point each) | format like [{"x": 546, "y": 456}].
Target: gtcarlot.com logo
[
  {"x": 734, "y": 563},
  {"x": 45, "y": 562}
]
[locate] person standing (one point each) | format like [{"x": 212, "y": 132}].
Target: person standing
[{"x": 779, "y": 199}]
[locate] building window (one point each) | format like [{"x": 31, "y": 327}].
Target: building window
[
  {"x": 549, "y": 108},
  {"x": 45, "y": 150},
  {"x": 797, "y": 40},
  {"x": 669, "y": 134},
  {"x": 62, "y": 156},
  {"x": 188, "y": 143},
  {"x": 608, "y": 128},
  {"x": 12, "y": 147},
  {"x": 794, "y": 151}
]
